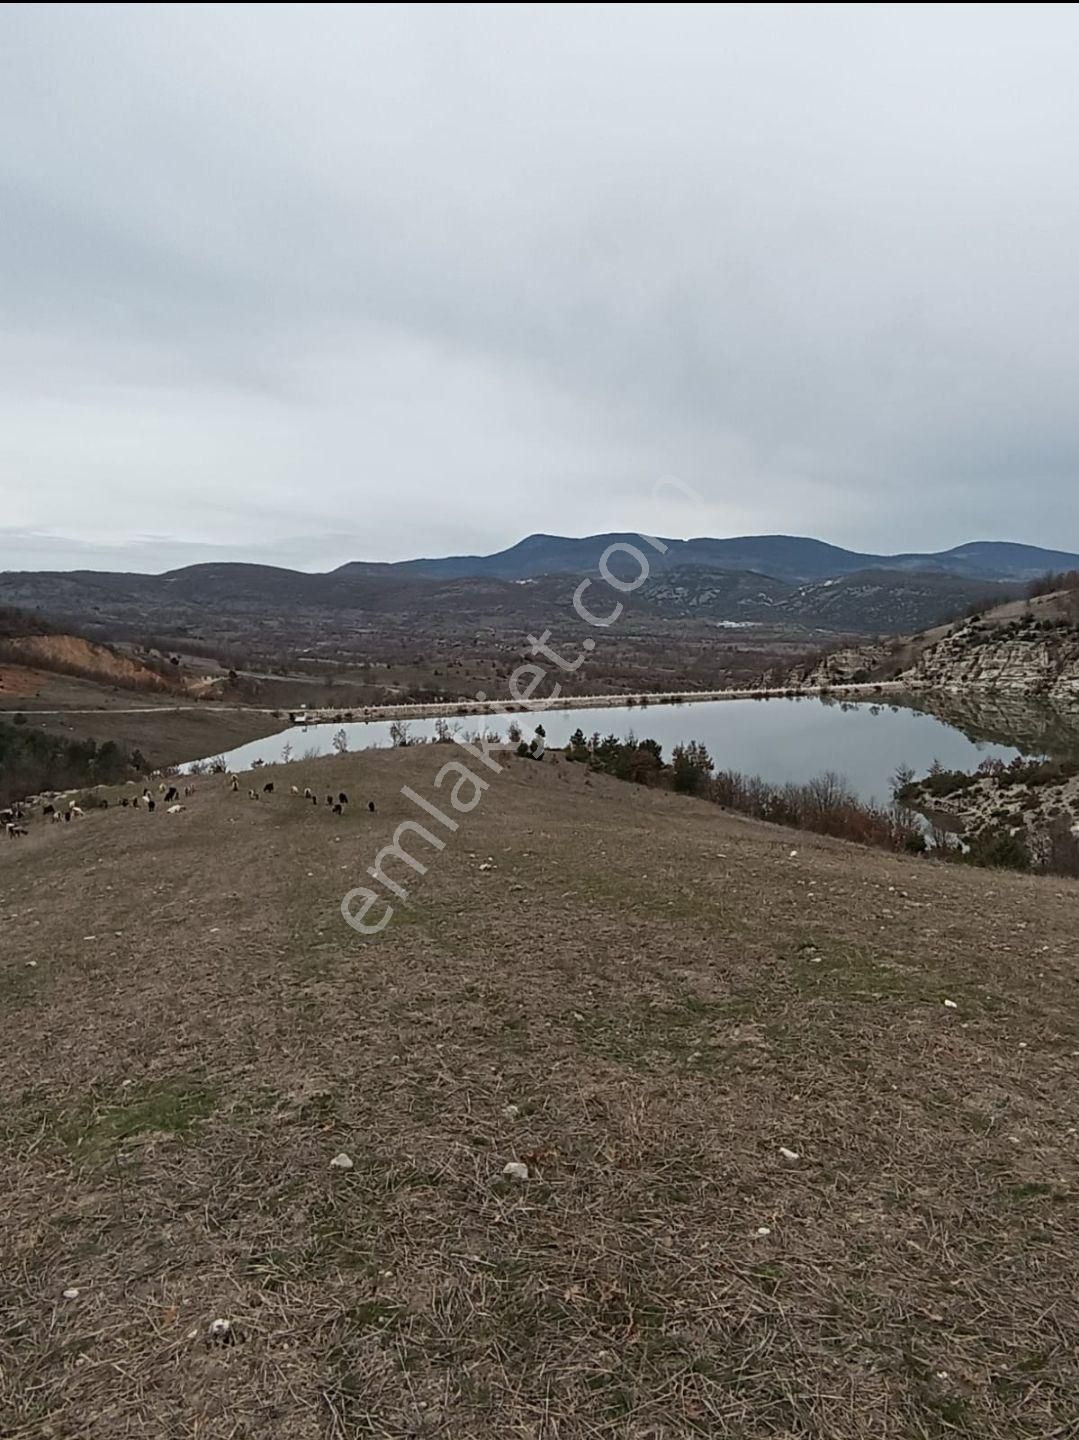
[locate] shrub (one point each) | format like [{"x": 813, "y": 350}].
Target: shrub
[
  {"x": 1000, "y": 849},
  {"x": 1061, "y": 848}
]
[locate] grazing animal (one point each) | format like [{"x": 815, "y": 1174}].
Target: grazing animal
[
  {"x": 267, "y": 789},
  {"x": 15, "y": 831},
  {"x": 73, "y": 811},
  {"x": 151, "y": 804},
  {"x": 171, "y": 794},
  {"x": 308, "y": 793},
  {"x": 329, "y": 799},
  {"x": 295, "y": 789},
  {"x": 252, "y": 794},
  {"x": 189, "y": 790},
  {"x": 56, "y": 818},
  {"x": 342, "y": 799},
  {"x": 234, "y": 784},
  {"x": 125, "y": 802},
  {"x": 175, "y": 809},
  {"x": 67, "y": 814},
  {"x": 314, "y": 799},
  {"x": 338, "y": 809},
  {"x": 48, "y": 810},
  {"x": 371, "y": 806}
]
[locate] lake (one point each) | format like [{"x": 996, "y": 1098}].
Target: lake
[{"x": 779, "y": 739}]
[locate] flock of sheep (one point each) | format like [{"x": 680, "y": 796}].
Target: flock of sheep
[
  {"x": 14, "y": 820},
  {"x": 337, "y": 806}
]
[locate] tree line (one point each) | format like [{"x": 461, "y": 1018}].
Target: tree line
[{"x": 32, "y": 760}]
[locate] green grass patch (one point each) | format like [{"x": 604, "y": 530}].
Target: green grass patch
[{"x": 172, "y": 1106}]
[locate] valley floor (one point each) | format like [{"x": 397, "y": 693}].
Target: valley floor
[
  {"x": 165, "y": 728},
  {"x": 640, "y": 998}
]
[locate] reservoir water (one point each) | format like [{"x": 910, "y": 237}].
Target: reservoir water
[{"x": 778, "y": 739}]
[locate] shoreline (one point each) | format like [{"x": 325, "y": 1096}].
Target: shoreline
[{"x": 433, "y": 710}]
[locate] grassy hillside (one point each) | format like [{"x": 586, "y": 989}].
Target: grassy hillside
[{"x": 644, "y": 1001}]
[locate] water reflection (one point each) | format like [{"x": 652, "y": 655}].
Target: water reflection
[{"x": 778, "y": 739}]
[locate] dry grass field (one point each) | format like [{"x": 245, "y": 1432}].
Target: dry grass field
[{"x": 641, "y": 999}]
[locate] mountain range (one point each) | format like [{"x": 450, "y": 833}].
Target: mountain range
[
  {"x": 793, "y": 558},
  {"x": 779, "y": 581}
]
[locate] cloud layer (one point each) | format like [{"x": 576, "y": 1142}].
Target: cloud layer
[{"x": 314, "y": 284}]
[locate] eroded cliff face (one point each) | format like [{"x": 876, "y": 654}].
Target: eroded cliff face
[
  {"x": 72, "y": 655},
  {"x": 1035, "y": 803},
  {"x": 850, "y": 665},
  {"x": 1025, "y": 656}
]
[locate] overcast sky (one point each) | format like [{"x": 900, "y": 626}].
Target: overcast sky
[{"x": 317, "y": 284}]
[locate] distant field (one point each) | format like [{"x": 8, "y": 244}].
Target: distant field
[
  {"x": 642, "y": 999},
  {"x": 165, "y": 735}
]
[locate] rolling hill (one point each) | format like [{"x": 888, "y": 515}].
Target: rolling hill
[{"x": 265, "y": 601}]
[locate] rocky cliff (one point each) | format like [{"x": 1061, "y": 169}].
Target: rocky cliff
[
  {"x": 1025, "y": 815},
  {"x": 1025, "y": 655}
]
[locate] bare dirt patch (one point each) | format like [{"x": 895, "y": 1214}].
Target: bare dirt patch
[{"x": 17, "y": 681}]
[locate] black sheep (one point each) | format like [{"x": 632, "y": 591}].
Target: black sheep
[
  {"x": 338, "y": 809},
  {"x": 267, "y": 789},
  {"x": 342, "y": 799},
  {"x": 371, "y": 806}
]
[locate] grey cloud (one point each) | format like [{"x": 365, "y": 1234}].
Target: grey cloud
[{"x": 424, "y": 279}]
